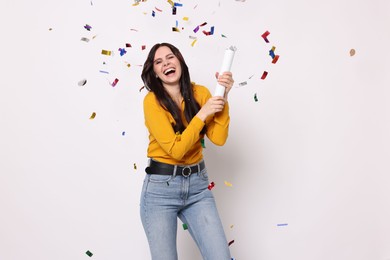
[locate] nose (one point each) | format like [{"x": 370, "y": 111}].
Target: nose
[{"x": 166, "y": 62}]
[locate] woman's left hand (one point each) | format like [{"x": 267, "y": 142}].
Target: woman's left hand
[{"x": 226, "y": 80}]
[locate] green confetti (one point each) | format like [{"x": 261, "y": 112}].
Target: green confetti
[
  {"x": 202, "y": 142},
  {"x": 89, "y": 253},
  {"x": 185, "y": 227},
  {"x": 255, "y": 97}
]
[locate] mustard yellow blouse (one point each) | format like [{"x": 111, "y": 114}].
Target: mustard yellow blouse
[{"x": 168, "y": 147}]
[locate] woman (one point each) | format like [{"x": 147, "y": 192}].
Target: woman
[{"x": 178, "y": 113}]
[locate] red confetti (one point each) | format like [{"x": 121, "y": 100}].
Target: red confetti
[
  {"x": 128, "y": 45},
  {"x": 275, "y": 59},
  {"x": 264, "y": 35},
  {"x": 115, "y": 82},
  {"x": 158, "y": 9},
  {"x": 143, "y": 47},
  {"x": 211, "y": 185},
  {"x": 264, "y": 75},
  {"x": 231, "y": 242}
]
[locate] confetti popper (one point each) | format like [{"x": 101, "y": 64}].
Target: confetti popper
[
  {"x": 93, "y": 116},
  {"x": 276, "y": 58},
  {"x": 231, "y": 242},
  {"x": 115, "y": 82},
  {"x": 185, "y": 227},
  {"x": 228, "y": 184},
  {"x": 265, "y": 35},
  {"x": 255, "y": 97},
  {"x": 211, "y": 185},
  {"x": 265, "y": 73},
  {"x": 106, "y": 52},
  {"x": 89, "y": 253},
  {"x": 82, "y": 82},
  {"x": 226, "y": 66},
  {"x": 352, "y": 52}
]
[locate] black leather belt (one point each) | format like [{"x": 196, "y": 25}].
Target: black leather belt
[{"x": 169, "y": 169}]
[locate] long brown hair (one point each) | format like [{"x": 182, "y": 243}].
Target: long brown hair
[{"x": 154, "y": 84}]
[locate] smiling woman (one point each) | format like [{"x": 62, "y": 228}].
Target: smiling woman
[{"x": 178, "y": 114}]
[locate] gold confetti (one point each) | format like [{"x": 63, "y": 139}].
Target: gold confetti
[
  {"x": 352, "y": 52},
  {"x": 135, "y": 166},
  {"x": 105, "y": 52},
  {"x": 228, "y": 184},
  {"x": 186, "y": 18},
  {"x": 193, "y": 43},
  {"x": 92, "y": 116}
]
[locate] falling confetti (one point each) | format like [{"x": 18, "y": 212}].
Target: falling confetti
[
  {"x": 89, "y": 253},
  {"x": 185, "y": 227},
  {"x": 92, "y": 116},
  {"x": 352, "y": 52},
  {"x": 255, "y": 97},
  {"x": 231, "y": 226},
  {"x": 211, "y": 32},
  {"x": 231, "y": 242},
  {"x": 143, "y": 47},
  {"x": 265, "y": 73},
  {"x": 211, "y": 185},
  {"x": 241, "y": 84},
  {"x": 128, "y": 45},
  {"x": 282, "y": 224},
  {"x": 123, "y": 133},
  {"x": 228, "y": 184},
  {"x": 105, "y": 52},
  {"x": 135, "y": 166},
  {"x": 202, "y": 143},
  {"x": 276, "y": 58},
  {"x": 87, "y": 27},
  {"x": 115, "y": 82},
  {"x": 264, "y": 35},
  {"x": 84, "y": 39},
  {"x": 103, "y": 71},
  {"x": 82, "y": 82},
  {"x": 122, "y": 51}
]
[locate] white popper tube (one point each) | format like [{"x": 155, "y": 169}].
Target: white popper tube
[{"x": 226, "y": 66}]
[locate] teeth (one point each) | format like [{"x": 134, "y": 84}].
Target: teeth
[{"x": 169, "y": 70}]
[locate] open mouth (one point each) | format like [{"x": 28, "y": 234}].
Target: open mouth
[{"x": 169, "y": 71}]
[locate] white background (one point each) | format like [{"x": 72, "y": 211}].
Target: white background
[{"x": 312, "y": 153}]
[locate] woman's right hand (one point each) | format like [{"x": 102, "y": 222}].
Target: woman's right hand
[{"x": 212, "y": 106}]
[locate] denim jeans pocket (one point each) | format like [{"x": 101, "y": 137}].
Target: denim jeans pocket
[
  {"x": 159, "y": 178},
  {"x": 203, "y": 175}
]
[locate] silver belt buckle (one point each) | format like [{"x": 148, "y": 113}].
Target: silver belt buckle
[{"x": 186, "y": 171}]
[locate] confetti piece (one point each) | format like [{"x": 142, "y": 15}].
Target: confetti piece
[
  {"x": 84, "y": 39},
  {"x": 141, "y": 88},
  {"x": 211, "y": 32},
  {"x": 143, "y": 47},
  {"x": 174, "y": 10},
  {"x": 276, "y": 58},
  {"x": 115, "y": 82},
  {"x": 89, "y": 253},
  {"x": 103, "y": 71},
  {"x": 231, "y": 242},
  {"x": 203, "y": 24},
  {"x": 255, "y": 97},
  {"x": 122, "y": 51},
  {"x": 193, "y": 43},
  {"x": 265, "y": 73},
  {"x": 272, "y": 54},
  {"x": 123, "y": 133},
  {"x": 82, "y": 82},
  {"x": 133, "y": 30},
  {"x": 352, "y": 52},
  {"x": 223, "y": 36},
  {"x": 264, "y": 35},
  {"x": 171, "y": 2},
  {"x": 185, "y": 227},
  {"x": 196, "y": 29},
  {"x": 185, "y": 18},
  {"x": 178, "y": 4},
  {"x": 228, "y": 184},
  {"x": 50, "y": 29},
  {"x": 128, "y": 45},
  {"x": 135, "y": 166},
  {"x": 105, "y": 52},
  {"x": 92, "y": 116},
  {"x": 282, "y": 225},
  {"x": 153, "y": 13},
  {"x": 231, "y": 226},
  {"x": 202, "y": 143},
  {"x": 211, "y": 185},
  {"x": 158, "y": 9},
  {"x": 242, "y": 84},
  {"x": 88, "y": 27},
  {"x": 175, "y": 29}
]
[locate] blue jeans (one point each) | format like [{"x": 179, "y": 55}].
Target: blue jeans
[{"x": 164, "y": 198}]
